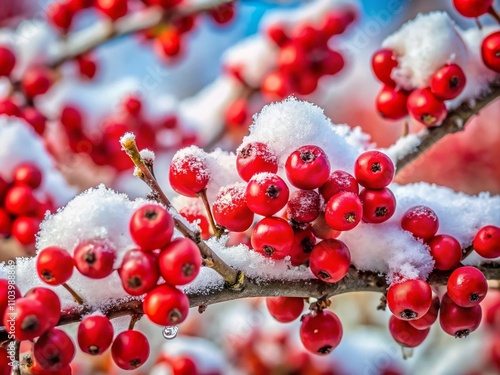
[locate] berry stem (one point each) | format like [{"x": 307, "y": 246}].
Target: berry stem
[
  {"x": 217, "y": 229},
  {"x": 75, "y": 295},
  {"x": 467, "y": 251},
  {"x": 494, "y": 14},
  {"x": 134, "y": 319}
]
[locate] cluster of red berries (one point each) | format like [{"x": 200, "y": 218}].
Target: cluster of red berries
[
  {"x": 176, "y": 261},
  {"x": 474, "y": 9},
  {"x": 426, "y": 105},
  {"x": 21, "y": 207},
  {"x": 104, "y": 148},
  {"x": 490, "y": 51}
]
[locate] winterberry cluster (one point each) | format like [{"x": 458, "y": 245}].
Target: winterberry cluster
[{"x": 22, "y": 204}]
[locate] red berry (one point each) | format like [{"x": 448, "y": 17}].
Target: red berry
[
  {"x": 331, "y": 63},
  {"x": 9, "y": 107},
  {"x": 253, "y": 158},
  {"x": 24, "y": 229},
  {"x": 169, "y": 42},
  {"x": 305, "y": 83},
  {"x": 266, "y": 194},
  {"x": 303, "y": 206},
  {"x": 458, "y": 321},
  {"x": 237, "y": 113},
  {"x": 183, "y": 366},
  {"x": 321, "y": 333},
  {"x": 95, "y": 334},
  {"x": 36, "y": 81},
  {"x": 230, "y": 208},
  {"x": 292, "y": 59},
  {"x": 276, "y": 86},
  {"x": 28, "y": 320},
  {"x": 87, "y": 66},
  {"x": 223, "y": 14},
  {"x": 307, "y": 167},
  {"x": 429, "y": 318},
  {"x": 20, "y": 200},
  {"x": 374, "y": 170},
  {"x": 337, "y": 182},
  {"x": 421, "y": 221},
  {"x": 330, "y": 260},
  {"x": 130, "y": 350},
  {"x": 35, "y": 118},
  {"x": 426, "y": 108},
  {"x": 195, "y": 216},
  {"x": 28, "y": 174},
  {"x": 335, "y": 22},
  {"x": 322, "y": 230},
  {"x": 113, "y": 9},
  {"x": 185, "y": 23},
  {"x": 343, "y": 211},
  {"x": 50, "y": 301},
  {"x": 490, "y": 51},
  {"x": 133, "y": 105},
  {"x": 180, "y": 262},
  {"x": 467, "y": 286},
  {"x": 472, "y": 8},
  {"x": 405, "y": 334},
  {"x": 391, "y": 103},
  {"x": 448, "y": 82},
  {"x": 5, "y": 223},
  {"x": 285, "y": 309},
  {"x": 189, "y": 171},
  {"x": 166, "y": 305},
  {"x": 303, "y": 243},
  {"x": 446, "y": 251},
  {"x": 272, "y": 237},
  {"x": 151, "y": 227},
  {"x": 7, "y": 61},
  {"x": 487, "y": 242},
  {"x": 94, "y": 259},
  {"x": 306, "y": 36},
  {"x": 60, "y": 15},
  {"x": 139, "y": 272},
  {"x": 54, "y": 350},
  {"x": 54, "y": 265},
  {"x": 378, "y": 205},
  {"x": 277, "y": 34},
  {"x": 410, "y": 299},
  {"x": 383, "y": 62}
]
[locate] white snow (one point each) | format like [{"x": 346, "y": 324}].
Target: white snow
[{"x": 404, "y": 146}]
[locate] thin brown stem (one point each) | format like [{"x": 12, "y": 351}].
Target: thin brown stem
[
  {"x": 217, "y": 229},
  {"x": 467, "y": 251},
  {"x": 75, "y": 295},
  {"x": 133, "y": 320},
  {"x": 494, "y": 14}
]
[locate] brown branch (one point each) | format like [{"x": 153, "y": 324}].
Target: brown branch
[
  {"x": 454, "y": 122},
  {"x": 235, "y": 279}
]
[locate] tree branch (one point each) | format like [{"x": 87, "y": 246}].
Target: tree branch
[{"x": 454, "y": 122}]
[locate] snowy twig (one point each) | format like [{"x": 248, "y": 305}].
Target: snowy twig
[
  {"x": 454, "y": 122},
  {"x": 235, "y": 279}
]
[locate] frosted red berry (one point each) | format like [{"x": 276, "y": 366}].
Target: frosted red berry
[
  {"x": 303, "y": 206},
  {"x": 490, "y": 51},
  {"x": 374, "y": 170},
  {"x": 321, "y": 333},
  {"x": 429, "y": 318},
  {"x": 426, "y": 108},
  {"x": 94, "y": 259},
  {"x": 467, "y": 286},
  {"x": 95, "y": 334},
  {"x": 230, "y": 208},
  {"x": 421, "y": 221},
  {"x": 285, "y": 309},
  {"x": 448, "y": 82},
  {"x": 253, "y": 158},
  {"x": 272, "y": 237},
  {"x": 130, "y": 350},
  {"x": 189, "y": 173},
  {"x": 266, "y": 193},
  {"x": 307, "y": 167},
  {"x": 330, "y": 260},
  {"x": 54, "y": 265},
  {"x": 405, "y": 334},
  {"x": 28, "y": 320},
  {"x": 139, "y": 272},
  {"x": 166, "y": 305},
  {"x": 446, "y": 252},
  {"x": 410, "y": 299},
  {"x": 472, "y": 8},
  {"x": 391, "y": 103},
  {"x": 343, "y": 211},
  {"x": 151, "y": 227},
  {"x": 383, "y": 63},
  {"x": 378, "y": 205},
  {"x": 458, "y": 321},
  {"x": 54, "y": 350},
  {"x": 180, "y": 262},
  {"x": 113, "y": 9},
  {"x": 7, "y": 61},
  {"x": 487, "y": 242},
  {"x": 337, "y": 182}
]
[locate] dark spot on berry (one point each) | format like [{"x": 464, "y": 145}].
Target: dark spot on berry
[
  {"x": 151, "y": 214},
  {"x": 54, "y": 359},
  {"x": 324, "y": 275},
  {"x": 30, "y": 323},
  {"x": 134, "y": 282},
  {"x": 188, "y": 269},
  {"x": 474, "y": 297},
  {"x": 89, "y": 257},
  {"x": 350, "y": 217},
  {"x": 272, "y": 191},
  {"x": 462, "y": 334},
  {"x": 428, "y": 119},
  {"x": 47, "y": 275},
  {"x": 376, "y": 167},
  {"x": 325, "y": 349},
  {"x": 268, "y": 250},
  {"x": 135, "y": 363},
  {"x": 408, "y": 314},
  {"x": 307, "y": 156},
  {"x": 94, "y": 349},
  {"x": 307, "y": 245},
  {"x": 174, "y": 316},
  {"x": 497, "y": 53},
  {"x": 380, "y": 211},
  {"x": 454, "y": 82},
  {"x": 245, "y": 152}
]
